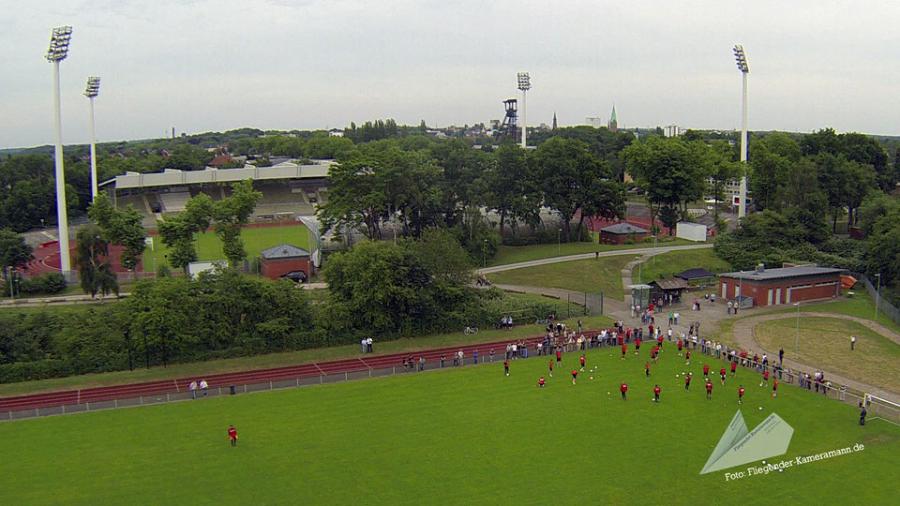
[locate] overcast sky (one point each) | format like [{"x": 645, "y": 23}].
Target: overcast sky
[{"x": 304, "y": 64}]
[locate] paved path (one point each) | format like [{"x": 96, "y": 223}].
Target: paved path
[
  {"x": 587, "y": 256},
  {"x": 744, "y": 335}
]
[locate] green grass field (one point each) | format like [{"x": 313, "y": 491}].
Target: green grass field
[
  {"x": 462, "y": 436},
  {"x": 826, "y": 343},
  {"x": 209, "y": 247},
  {"x": 514, "y": 254},
  {"x": 593, "y": 275},
  {"x": 668, "y": 264}
]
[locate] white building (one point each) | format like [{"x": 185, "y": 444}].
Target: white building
[{"x": 673, "y": 131}]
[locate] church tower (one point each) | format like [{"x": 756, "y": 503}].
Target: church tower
[
  {"x": 613, "y": 124},
  {"x": 554, "y": 120}
]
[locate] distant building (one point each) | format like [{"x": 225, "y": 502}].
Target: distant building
[
  {"x": 622, "y": 232},
  {"x": 773, "y": 287},
  {"x": 554, "y": 120},
  {"x": 673, "y": 131},
  {"x": 335, "y": 132},
  {"x": 279, "y": 260},
  {"x": 613, "y": 124}
]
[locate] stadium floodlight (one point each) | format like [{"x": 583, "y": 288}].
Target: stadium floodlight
[
  {"x": 524, "y": 85},
  {"x": 741, "y": 59},
  {"x": 91, "y": 92},
  {"x": 59, "y": 49}
]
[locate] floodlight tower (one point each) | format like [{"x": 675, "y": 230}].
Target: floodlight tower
[
  {"x": 59, "y": 49},
  {"x": 741, "y": 58},
  {"x": 524, "y": 85},
  {"x": 91, "y": 92}
]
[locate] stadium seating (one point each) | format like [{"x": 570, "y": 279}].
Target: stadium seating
[{"x": 175, "y": 200}]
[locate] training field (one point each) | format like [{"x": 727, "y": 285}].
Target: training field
[
  {"x": 256, "y": 239},
  {"x": 462, "y": 436}
]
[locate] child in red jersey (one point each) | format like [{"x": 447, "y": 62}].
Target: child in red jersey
[
  {"x": 232, "y": 435},
  {"x": 741, "y": 394},
  {"x": 637, "y": 346},
  {"x": 687, "y": 381},
  {"x": 541, "y": 382},
  {"x": 550, "y": 365},
  {"x": 582, "y": 362},
  {"x": 765, "y": 378},
  {"x": 722, "y": 374},
  {"x": 680, "y": 346},
  {"x": 624, "y": 350},
  {"x": 574, "y": 375},
  {"x": 708, "y": 389},
  {"x": 624, "y": 389},
  {"x": 558, "y": 355},
  {"x": 733, "y": 367},
  {"x": 687, "y": 357},
  {"x": 775, "y": 388},
  {"x": 656, "y": 391},
  {"x": 705, "y": 370},
  {"x": 506, "y": 367}
]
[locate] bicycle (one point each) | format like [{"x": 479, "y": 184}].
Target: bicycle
[{"x": 470, "y": 331}]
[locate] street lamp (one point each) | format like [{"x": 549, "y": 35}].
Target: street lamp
[
  {"x": 91, "y": 92},
  {"x": 524, "y": 85},
  {"x": 59, "y": 49},
  {"x": 741, "y": 59}
]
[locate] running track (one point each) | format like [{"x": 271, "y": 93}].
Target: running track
[{"x": 215, "y": 381}]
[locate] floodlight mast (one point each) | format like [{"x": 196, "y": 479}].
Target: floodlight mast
[
  {"x": 59, "y": 49},
  {"x": 741, "y": 59},
  {"x": 524, "y": 85},
  {"x": 91, "y": 92}
]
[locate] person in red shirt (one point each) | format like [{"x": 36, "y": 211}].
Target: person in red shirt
[
  {"x": 550, "y": 365},
  {"x": 232, "y": 435},
  {"x": 541, "y": 382},
  {"x": 705, "y": 370},
  {"x": 654, "y": 354},
  {"x": 582, "y": 362},
  {"x": 650, "y": 329},
  {"x": 733, "y": 367},
  {"x": 647, "y": 369},
  {"x": 659, "y": 340},
  {"x": 656, "y": 391},
  {"x": 574, "y": 375},
  {"x": 741, "y": 394},
  {"x": 637, "y": 346},
  {"x": 624, "y": 350},
  {"x": 624, "y": 389},
  {"x": 687, "y": 357},
  {"x": 620, "y": 339},
  {"x": 708, "y": 389},
  {"x": 680, "y": 346},
  {"x": 722, "y": 374},
  {"x": 774, "y": 388},
  {"x": 558, "y": 355},
  {"x": 687, "y": 381},
  {"x": 506, "y": 367},
  {"x": 765, "y": 378}
]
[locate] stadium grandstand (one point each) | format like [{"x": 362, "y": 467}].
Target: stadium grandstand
[{"x": 289, "y": 189}]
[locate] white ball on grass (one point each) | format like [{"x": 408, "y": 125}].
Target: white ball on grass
[{"x": 760, "y": 408}]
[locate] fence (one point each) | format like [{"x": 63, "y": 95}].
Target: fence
[{"x": 883, "y": 306}]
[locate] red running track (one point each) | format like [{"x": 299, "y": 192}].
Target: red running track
[{"x": 316, "y": 369}]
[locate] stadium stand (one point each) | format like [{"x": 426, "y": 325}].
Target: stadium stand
[{"x": 175, "y": 199}]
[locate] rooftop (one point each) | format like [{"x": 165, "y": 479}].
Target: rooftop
[
  {"x": 623, "y": 228},
  {"x": 784, "y": 272},
  {"x": 171, "y": 177},
  {"x": 283, "y": 251}
]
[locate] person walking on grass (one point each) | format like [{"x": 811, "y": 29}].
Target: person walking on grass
[
  {"x": 506, "y": 367},
  {"x": 232, "y": 435},
  {"x": 862, "y": 413},
  {"x": 656, "y": 391},
  {"x": 709, "y": 387},
  {"x": 623, "y": 388},
  {"x": 193, "y": 388},
  {"x": 741, "y": 394},
  {"x": 852, "y": 343}
]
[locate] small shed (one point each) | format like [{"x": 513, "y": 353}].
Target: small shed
[
  {"x": 621, "y": 232},
  {"x": 668, "y": 289},
  {"x": 279, "y": 260},
  {"x": 640, "y": 295}
]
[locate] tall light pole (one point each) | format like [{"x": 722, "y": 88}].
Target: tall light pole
[
  {"x": 741, "y": 58},
  {"x": 91, "y": 92},
  {"x": 59, "y": 49},
  {"x": 524, "y": 85}
]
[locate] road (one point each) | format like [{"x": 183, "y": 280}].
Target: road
[{"x": 586, "y": 256}]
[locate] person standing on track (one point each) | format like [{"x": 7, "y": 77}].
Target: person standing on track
[{"x": 232, "y": 435}]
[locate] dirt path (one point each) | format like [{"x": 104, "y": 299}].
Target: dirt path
[{"x": 744, "y": 335}]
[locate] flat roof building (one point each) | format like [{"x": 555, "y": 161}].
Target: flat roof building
[{"x": 787, "y": 285}]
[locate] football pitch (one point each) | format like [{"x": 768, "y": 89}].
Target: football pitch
[
  {"x": 466, "y": 435},
  {"x": 209, "y": 247}
]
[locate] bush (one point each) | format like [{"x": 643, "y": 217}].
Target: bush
[{"x": 45, "y": 284}]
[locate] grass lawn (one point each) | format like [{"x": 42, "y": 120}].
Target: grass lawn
[
  {"x": 514, "y": 254},
  {"x": 668, "y": 264},
  {"x": 458, "y": 436},
  {"x": 592, "y": 275},
  {"x": 826, "y": 342},
  {"x": 209, "y": 247},
  {"x": 287, "y": 358}
]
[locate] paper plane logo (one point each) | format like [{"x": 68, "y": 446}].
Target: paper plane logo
[{"x": 739, "y": 446}]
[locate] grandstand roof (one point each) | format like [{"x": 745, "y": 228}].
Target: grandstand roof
[{"x": 172, "y": 177}]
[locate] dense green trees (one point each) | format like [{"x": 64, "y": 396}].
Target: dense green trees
[
  {"x": 120, "y": 226},
  {"x": 92, "y": 262}
]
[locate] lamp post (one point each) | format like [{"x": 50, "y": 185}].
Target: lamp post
[
  {"x": 877, "y": 295},
  {"x": 524, "y": 85},
  {"x": 741, "y": 59},
  {"x": 59, "y": 49},
  {"x": 91, "y": 92}
]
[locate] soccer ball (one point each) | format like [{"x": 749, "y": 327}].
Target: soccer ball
[
  {"x": 760, "y": 408},
  {"x": 780, "y": 469},
  {"x": 607, "y": 393},
  {"x": 592, "y": 377}
]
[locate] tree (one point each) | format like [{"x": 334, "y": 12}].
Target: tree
[
  {"x": 92, "y": 259},
  {"x": 231, "y": 214},
  {"x": 120, "y": 226},
  {"x": 770, "y": 161},
  {"x": 861, "y": 180},
  {"x": 14, "y": 252},
  {"x": 721, "y": 168},
  {"x": 511, "y": 189},
  {"x": 803, "y": 202},
  {"x": 875, "y": 206},
  {"x": 178, "y": 231}
]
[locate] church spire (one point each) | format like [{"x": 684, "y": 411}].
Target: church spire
[
  {"x": 554, "y": 120},
  {"x": 613, "y": 124}
]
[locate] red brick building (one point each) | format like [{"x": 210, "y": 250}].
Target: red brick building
[
  {"x": 621, "y": 232},
  {"x": 772, "y": 287},
  {"x": 279, "y": 260}
]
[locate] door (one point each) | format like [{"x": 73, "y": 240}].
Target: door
[
  {"x": 724, "y": 291},
  {"x": 778, "y": 296},
  {"x": 769, "y": 300}
]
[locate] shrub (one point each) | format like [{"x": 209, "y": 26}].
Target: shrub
[{"x": 45, "y": 284}]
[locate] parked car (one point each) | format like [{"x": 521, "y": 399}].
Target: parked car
[{"x": 297, "y": 276}]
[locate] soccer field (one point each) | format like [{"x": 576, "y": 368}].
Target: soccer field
[
  {"x": 468, "y": 435},
  {"x": 209, "y": 247}
]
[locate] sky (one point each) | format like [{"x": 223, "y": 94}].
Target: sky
[{"x": 305, "y": 64}]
